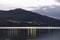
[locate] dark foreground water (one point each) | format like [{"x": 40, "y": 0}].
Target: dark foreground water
[
  {"x": 41, "y": 34},
  {"x": 51, "y": 35}
]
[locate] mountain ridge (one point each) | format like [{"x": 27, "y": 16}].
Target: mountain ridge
[{"x": 14, "y": 17}]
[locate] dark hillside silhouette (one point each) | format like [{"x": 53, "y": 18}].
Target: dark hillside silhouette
[{"x": 20, "y": 17}]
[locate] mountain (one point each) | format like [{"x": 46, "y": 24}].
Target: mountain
[{"x": 21, "y": 17}]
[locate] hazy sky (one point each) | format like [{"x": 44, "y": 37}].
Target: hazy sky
[{"x": 25, "y": 4}]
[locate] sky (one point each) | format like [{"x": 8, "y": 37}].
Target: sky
[
  {"x": 43, "y": 7},
  {"x": 25, "y": 4}
]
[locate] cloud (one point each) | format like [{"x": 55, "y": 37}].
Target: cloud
[
  {"x": 25, "y": 3},
  {"x": 51, "y": 11},
  {"x": 57, "y": 1},
  {"x": 6, "y": 7}
]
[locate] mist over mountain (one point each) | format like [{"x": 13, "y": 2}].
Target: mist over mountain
[
  {"x": 51, "y": 11},
  {"x": 20, "y": 17}
]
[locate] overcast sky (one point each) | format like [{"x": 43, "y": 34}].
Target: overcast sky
[{"x": 25, "y": 4}]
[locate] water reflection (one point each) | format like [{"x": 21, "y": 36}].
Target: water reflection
[{"x": 29, "y": 34}]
